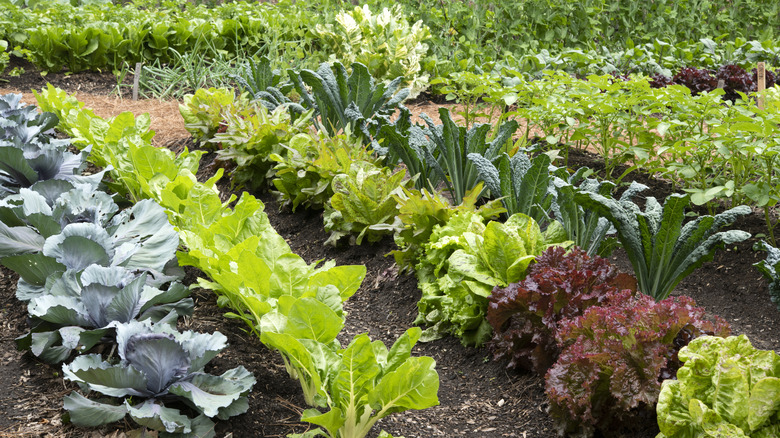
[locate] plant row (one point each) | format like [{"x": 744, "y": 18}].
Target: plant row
[
  {"x": 295, "y": 308},
  {"x": 93, "y": 275},
  {"x": 100, "y": 36},
  {"x": 605, "y": 347}
]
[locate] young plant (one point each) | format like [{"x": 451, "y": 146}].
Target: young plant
[
  {"x": 559, "y": 286},
  {"x": 465, "y": 260},
  {"x": 725, "y": 388},
  {"x": 615, "y": 356},
  {"x": 524, "y": 185},
  {"x": 158, "y": 366},
  {"x": 359, "y": 384},
  {"x": 661, "y": 249},
  {"x": 305, "y": 170},
  {"x": 202, "y": 112}
]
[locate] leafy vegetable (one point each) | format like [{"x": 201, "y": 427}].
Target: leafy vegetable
[
  {"x": 344, "y": 102},
  {"x": 305, "y": 170},
  {"x": 419, "y": 212},
  {"x": 662, "y": 250},
  {"x": 454, "y": 143},
  {"x": 202, "y": 111},
  {"x": 464, "y": 260},
  {"x": 615, "y": 356},
  {"x": 363, "y": 202},
  {"x": 385, "y": 42},
  {"x": 76, "y": 308},
  {"x": 157, "y": 364},
  {"x": 359, "y": 384},
  {"x": 559, "y": 286},
  {"x": 253, "y": 134},
  {"x": 725, "y": 388},
  {"x": 769, "y": 268}
]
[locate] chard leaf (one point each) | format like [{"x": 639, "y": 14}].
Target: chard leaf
[
  {"x": 413, "y": 385},
  {"x": 332, "y": 421},
  {"x": 356, "y": 375},
  {"x": 301, "y": 363},
  {"x": 88, "y": 413},
  {"x": 309, "y": 318}
]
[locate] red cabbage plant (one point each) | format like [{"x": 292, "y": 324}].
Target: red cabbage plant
[
  {"x": 525, "y": 316},
  {"x": 616, "y": 355}
]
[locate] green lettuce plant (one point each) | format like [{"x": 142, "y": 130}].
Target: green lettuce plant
[
  {"x": 305, "y": 170},
  {"x": 725, "y": 388},
  {"x": 384, "y": 42},
  {"x": 462, "y": 263},
  {"x": 202, "y": 111},
  {"x": 661, "y": 248}
]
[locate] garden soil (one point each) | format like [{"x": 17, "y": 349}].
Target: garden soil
[{"x": 478, "y": 397}]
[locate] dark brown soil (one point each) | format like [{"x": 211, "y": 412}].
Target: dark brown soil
[{"x": 478, "y": 398}]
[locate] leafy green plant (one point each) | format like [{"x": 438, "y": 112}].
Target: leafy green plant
[
  {"x": 615, "y": 356},
  {"x": 363, "y": 202},
  {"x": 559, "y": 286},
  {"x": 384, "y": 42},
  {"x": 420, "y": 212},
  {"x": 252, "y": 135},
  {"x": 726, "y": 387},
  {"x": 662, "y": 250},
  {"x": 158, "y": 365},
  {"x": 770, "y": 268},
  {"x": 454, "y": 143},
  {"x": 304, "y": 172},
  {"x": 462, "y": 263},
  {"x": 344, "y": 101},
  {"x": 359, "y": 384},
  {"x": 202, "y": 111},
  {"x": 523, "y": 184}
]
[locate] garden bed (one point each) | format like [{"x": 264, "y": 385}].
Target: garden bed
[{"x": 478, "y": 398}]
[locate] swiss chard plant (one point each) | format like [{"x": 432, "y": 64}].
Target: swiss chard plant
[
  {"x": 614, "y": 357},
  {"x": 76, "y": 309},
  {"x": 726, "y": 387},
  {"x": 559, "y": 286},
  {"x": 363, "y": 202},
  {"x": 661, "y": 248},
  {"x": 350, "y": 388},
  {"x": 159, "y": 368},
  {"x": 385, "y": 42}
]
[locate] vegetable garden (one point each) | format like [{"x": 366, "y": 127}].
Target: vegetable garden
[{"x": 526, "y": 219}]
